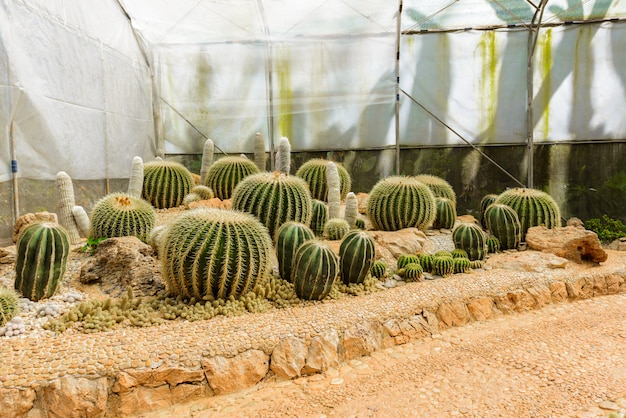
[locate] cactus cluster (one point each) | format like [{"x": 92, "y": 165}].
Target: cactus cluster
[
  {"x": 288, "y": 238},
  {"x": 356, "y": 255},
  {"x": 533, "y": 207},
  {"x": 471, "y": 238},
  {"x": 315, "y": 267},
  {"x": 226, "y": 173},
  {"x": 165, "y": 183},
  {"x": 314, "y": 173},
  {"x": 399, "y": 202},
  {"x": 41, "y": 257},
  {"x": 122, "y": 215},
  {"x": 439, "y": 186},
  {"x": 446, "y": 214},
  {"x": 503, "y": 223}
]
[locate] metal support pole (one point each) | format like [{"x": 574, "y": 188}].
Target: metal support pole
[
  {"x": 398, "y": 39},
  {"x": 270, "y": 84}
]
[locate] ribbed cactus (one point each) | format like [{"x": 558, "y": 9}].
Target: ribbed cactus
[
  {"x": 378, "y": 269},
  {"x": 533, "y": 208},
  {"x": 260, "y": 157},
  {"x": 439, "y": 186},
  {"x": 413, "y": 272},
  {"x": 334, "y": 190},
  {"x": 288, "y": 238},
  {"x": 319, "y": 217},
  {"x": 503, "y": 223},
  {"x": 461, "y": 265},
  {"x": 65, "y": 193},
  {"x": 471, "y": 238},
  {"x": 352, "y": 210},
  {"x": 283, "y": 156},
  {"x": 314, "y": 173},
  {"x": 274, "y": 198},
  {"x": 458, "y": 253},
  {"x": 401, "y": 202},
  {"x": 404, "y": 259},
  {"x": 122, "y": 215},
  {"x": 493, "y": 245},
  {"x": 41, "y": 257},
  {"x": 135, "y": 182},
  {"x": 356, "y": 256},
  {"x": 443, "y": 266},
  {"x": 359, "y": 223},
  {"x": 336, "y": 229},
  {"x": 208, "y": 150},
  {"x": 446, "y": 214},
  {"x": 426, "y": 260},
  {"x": 226, "y": 173},
  {"x": 9, "y": 306},
  {"x": 484, "y": 204},
  {"x": 203, "y": 192},
  {"x": 315, "y": 267},
  {"x": 477, "y": 264},
  {"x": 165, "y": 183},
  {"x": 214, "y": 252}
]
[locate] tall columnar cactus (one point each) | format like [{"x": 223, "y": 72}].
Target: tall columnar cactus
[
  {"x": 314, "y": 173},
  {"x": 335, "y": 229},
  {"x": 471, "y": 238},
  {"x": 334, "y": 190},
  {"x": 314, "y": 270},
  {"x": 65, "y": 193},
  {"x": 274, "y": 198},
  {"x": 401, "y": 202},
  {"x": 208, "y": 151},
  {"x": 122, "y": 215},
  {"x": 533, "y": 207},
  {"x": 283, "y": 156},
  {"x": 165, "y": 183},
  {"x": 135, "y": 182},
  {"x": 446, "y": 214},
  {"x": 260, "y": 157},
  {"x": 214, "y": 252},
  {"x": 319, "y": 217},
  {"x": 288, "y": 238},
  {"x": 439, "y": 186},
  {"x": 503, "y": 223},
  {"x": 82, "y": 220},
  {"x": 226, "y": 173},
  {"x": 41, "y": 257},
  {"x": 352, "y": 209},
  {"x": 9, "y": 306},
  {"x": 356, "y": 255},
  {"x": 485, "y": 202}
]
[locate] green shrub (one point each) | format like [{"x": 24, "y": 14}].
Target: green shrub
[{"x": 608, "y": 229}]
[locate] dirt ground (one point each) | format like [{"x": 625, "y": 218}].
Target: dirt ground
[{"x": 565, "y": 360}]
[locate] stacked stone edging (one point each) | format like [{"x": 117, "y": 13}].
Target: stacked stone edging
[{"x": 133, "y": 370}]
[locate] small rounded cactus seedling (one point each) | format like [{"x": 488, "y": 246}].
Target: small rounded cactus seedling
[
  {"x": 404, "y": 259},
  {"x": 426, "y": 260},
  {"x": 314, "y": 173},
  {"x": 458, "y": 253},
  {"x": 471, "y": 238},
  {"x": 503, "y": 223},
  {"x": 315, "y": 268},
  {"x": 493, "y": 245},
  {"x": 356, "y": 255},
  {"x": 378, "y": 269},
  {"x": 439, "y": 186},
  {"x": 443, "y": 266},
  {"x": 122, "y": 215},
  {"x": 226, "y": 173},
  {"x": 166, "y": 183},
  {"x": 446, "y": 214},
  {"x": 336, "y": 229},
  {"x": 319, "y": 217},
  {"x": 203, "y": 192},
  {"x": 461, "y": 265},
  {"x": 288, "y": 238},
  {"x": 9, "y": 306},
  {"x": 533, "y": 207},
  {"x": 413, "y": 272},
  {"x": 477, "y": 264}
]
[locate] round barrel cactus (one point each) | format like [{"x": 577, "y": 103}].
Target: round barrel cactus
[
  {"x": 458, "y": 253},
  {"x": 41, "y": 257},
  {"x": 378, "y": 269},
  {"x": 533, "y": 208},
  {"x": 461, "y": 265},
  {"x": 493, "y": 245},
  {"x": 485, "y": 202},
  {"x": 274, "y": 198},
  {"x": 214, "y": 252},
  {"x": 404, "y": 259},
  {"x": 477, "y": 264},
  {"x": 426, "y": 261},
  {"x": 446, "y": 214},
  {"x": 443, "y": 266},
  {"x": 315, "y": 267},
  {"x": 226, "y": 173},
  {"x": 503, "y": 223},
  {"x": 122, "y": 215},
  {"x": 165, "y": 183},
  {"x": 471, "y": 238},
  {"x": 356, "y": 255},
  {"x": 9, "y": 306},
  {"x": 439, "y": 186},
  {"x": 203, "y": 192},
  {"x": 413, "y": 271},
  {"x": 336, "y": 229},
  {"x": 399, "y": 202},
  {"x": 314, "y": 173},
  {"x": 288, "y": 238},
  {"x": 319, "y": 217}
]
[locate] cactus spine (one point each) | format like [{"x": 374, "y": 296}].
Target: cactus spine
[
  {"x": 214, "y": 252},
  {"x": 165, "y": 183},
  {"x": 439, "y": 186},
  {"x": 9, "y": 306},
  {"x": 288, "y": 238},
  {"x": 319, "y": 217},
  {"x": 533, "y": 208},
  {"x": 274, "y": 198},
  {"x": 503, "y": 223},
  {"x": 226, "y": 173},
  {"x": 41, "y": 257},
  {"x": 207, "y": 159},
  {"x": 335, "y": 229},
  {"x": 446, "y": 214},
  {"x": 378, "y": 269},
  {"x": 283, "y": 156},
  {"x": 65, "y": 193},
  {"x": 135, "y": 183},
  {"x": 401, "y": 202},
  {"x": 260, "y": 158},
  {"x": 314, "y": 270},
  {"x": 356, "y": 255},
  {"x": 471, "y": 238},
  {"x": 122, "y": 215},
  {"x": 334, "y": 194},
  {"x": 352, "y": 209},
  {"x": 314, "y": 173}
]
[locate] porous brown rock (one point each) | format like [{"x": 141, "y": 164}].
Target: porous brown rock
[
  {"x": 404, "y": 241},
  {"x": 453, "y": 314},
  {"x": 70, "y": 397},
  {"x": 323, "y": 353},
  {"x": 362, "y": 340},
  {"x": 29, "y": 218},
  {"x": 288, "y": 357},
  {"x": 529, "y": 261},
  {"x": 570, "y": 242},
  {"x": 227, "y": 375},
  {"x": 481, "y": 308},
  {"x": 16, "y": 402}
]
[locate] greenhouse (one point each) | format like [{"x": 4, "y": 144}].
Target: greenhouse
[{"x": 486, "y": 94}]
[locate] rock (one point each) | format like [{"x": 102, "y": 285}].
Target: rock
[
  {"x": 131, "y": 378},
  {"x": 15, "y": 402},
  {"x": 288, "y": 357},
  {"x": 541, "y": 294},
  {"x": 323, "y": 353},
  {"x": 517, "y": 301},
  {"x": 469, "y": 219},
  {"x": 143, "y": 399},
  {"x": 122, "y": 262},
  {"x": 529, "y": 261},
  {"x": 228, "y": 375},
  {"x": 618, "y": 245},
  {"x": 453, "y": 314},
  {"x": 362, "y": 340},
  {"x": 558, "y": 292},
  {"x": 7, "y": 255},
  {"x": 610, "y": 406},
  {"x": 481, "y": 308},
  {"x": 29, "y": 218},
  {"x": 362, "y": 199},
  {"x": 76, "y": 397},
  {"x": 570, "y": 242},
  {"x": 576, "y": 222},
  {"x": 404, "y": 241},
  {"x": 211, "y": 203}
]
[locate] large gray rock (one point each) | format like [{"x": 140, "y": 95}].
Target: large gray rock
[
  {"x": 570, "y": 242},
  {"x": 228, "y": 375}
]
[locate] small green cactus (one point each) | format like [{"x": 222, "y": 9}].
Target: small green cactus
[
  {"x": 446, "y": 214},
  {"x": 359, "y": 223},
  {"x": 314, "y": 173},
  {"x": 319, "y": 217},
  {"x": 9, "y": 306},
  {"x": 461, "y": 265},
  {"x": 41, "y": 257},
  {"x": 165, "y": 183},
  {"x": 443, "y": 266},
  {"x": 493, "y": 245},
  {"x": 378, "y": 269},
  {"x": 288, "y": 238},
  {"x": 443, "y": 253},
  {"x": 477, "y": 264},
  {"x": 533, "y": 207},
  {"x": 315, "y": 268},
  {"x": 226, "y": 173},
  {"x": 122, "y": 215},
  {"x": 399, "y": 202},
  {"x": 404, "y": 259},
  {"x": 336, "y": 229},
  {"x": 485, "y": 202},
  {"x": 203, "y": 192},
  {"x": 458, "y": 253},
  {"x": 439, "y": 186},
  {"x": 356, "y": 255},
  {"x": 426, "y": 260},
  {"x": 503, "y": 223},
  {"x": 471, "y": 238},
  {"x": 413, "y": 272}
]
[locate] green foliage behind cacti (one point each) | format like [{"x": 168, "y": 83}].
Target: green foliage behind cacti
[
  {"x": 288, "y": 238},
  {"x": 314, "y": 173},
  {"x": 315, "y": 267},
  {"x": 484, "y": 204},
  {"x": 533, "y": 207},
  {"x": 274, "y": 198},
  {"x": 378, "y": 269},
  {"x": 493, "y": 245},
  {"x": 439, "y": 186},
  {"x": 443, "y": 266},
  {"x": 122, "y": 215},
  {"x": 9, "y": 306},
  {"x": 401, "y": 202},
  {"x": 41, "y": 257},
  {"x": 471, "y": 238},
  {"x": 226, "y": 173},
  {"x": 336, "y": 229},
  {"x": 165, "y": 183},
  {"x": 446, "y": 214},
  {"x": 356, "y": 255},
  {"x": 503, "y": 223},
  {"x": 216, "y": 253},
  {"x": 461, "y": 265},
  {"x": 404, "y": 259}
]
